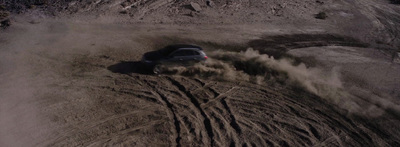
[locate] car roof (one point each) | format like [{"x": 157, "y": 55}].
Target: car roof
[
  {"x": 178, "y": 46},
  {"x": 171, "y": 48}
]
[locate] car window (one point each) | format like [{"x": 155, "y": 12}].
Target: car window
[
  {"x": 166, "y": 51},
  {"x": 183, "y": 53},
  {"x": 196, "y": 53}
]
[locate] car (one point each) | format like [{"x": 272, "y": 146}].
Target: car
[{"x": 173, "y": 55}]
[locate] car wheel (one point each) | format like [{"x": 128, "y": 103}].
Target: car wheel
[{"x": 158, "y": 69}]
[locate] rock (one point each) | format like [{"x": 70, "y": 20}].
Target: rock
[
  {"x": 34, "y": 22},
  {"x": 2, "y": 7},
  {"x": 32, "y": 6},
  {"x": 40, "y": 2},
  {"x": 396, "y": 57},
  {"x": 125, "y": 4},
  {"x": 210, "y": 3},
  {"x": 195, "y": 6},
  {"x": 5, "y": 23},
  {"x": 321, "y": 15},
  {"x": 191, "y": 14},
  {"x": 123, "y": 12},
  {"x": 4, "y": 14},
  {"x": 319, "y": 2}
]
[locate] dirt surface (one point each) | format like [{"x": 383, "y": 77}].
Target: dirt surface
[{"x": 276, "y": 75}]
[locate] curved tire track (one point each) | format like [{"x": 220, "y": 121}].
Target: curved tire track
[{"x": 196, "y": 103}]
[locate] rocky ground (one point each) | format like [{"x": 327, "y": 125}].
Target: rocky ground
[{"x": 280, "y": 73}]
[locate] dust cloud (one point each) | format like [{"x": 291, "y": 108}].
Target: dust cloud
[
  {"x": 251, "y": 66},
  {"x": 262, "y": 69}
]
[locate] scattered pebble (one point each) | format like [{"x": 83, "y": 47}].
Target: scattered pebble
[{"x": 195, "y": 6}]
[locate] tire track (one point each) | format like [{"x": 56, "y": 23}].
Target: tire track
[
  {"x": 233, "y": 122},
  {"x": 218, "y": 96},
  {"x": 221, "y": 124},
  {"x": 170, "y": 107},
  {"x": 176, "y": 122},
  {"x": 195, "y": 102},
  {"x": 121, "y": 134},
  {"x": 221, "y": 114}
]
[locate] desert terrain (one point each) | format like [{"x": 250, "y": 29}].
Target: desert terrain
[{"x": 279, "y": 73}]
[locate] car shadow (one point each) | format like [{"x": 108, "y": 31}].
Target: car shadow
[
  {"x": 127, "y": 67},
  {"x": 395, "y": 2}
]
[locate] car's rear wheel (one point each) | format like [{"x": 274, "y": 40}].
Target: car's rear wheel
[{"x": 158, "y": 69}]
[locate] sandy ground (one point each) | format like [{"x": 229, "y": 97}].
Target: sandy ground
[
  {"x": 69, "y": 83},
  {"x": 276, "y": 76}
]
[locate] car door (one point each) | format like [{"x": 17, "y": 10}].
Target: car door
[
  {"x": 197, "y": 56},
  {"x": 182, "y": 57}
]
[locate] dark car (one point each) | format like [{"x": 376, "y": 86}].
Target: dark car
[{"x": 173, "y": 55}]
